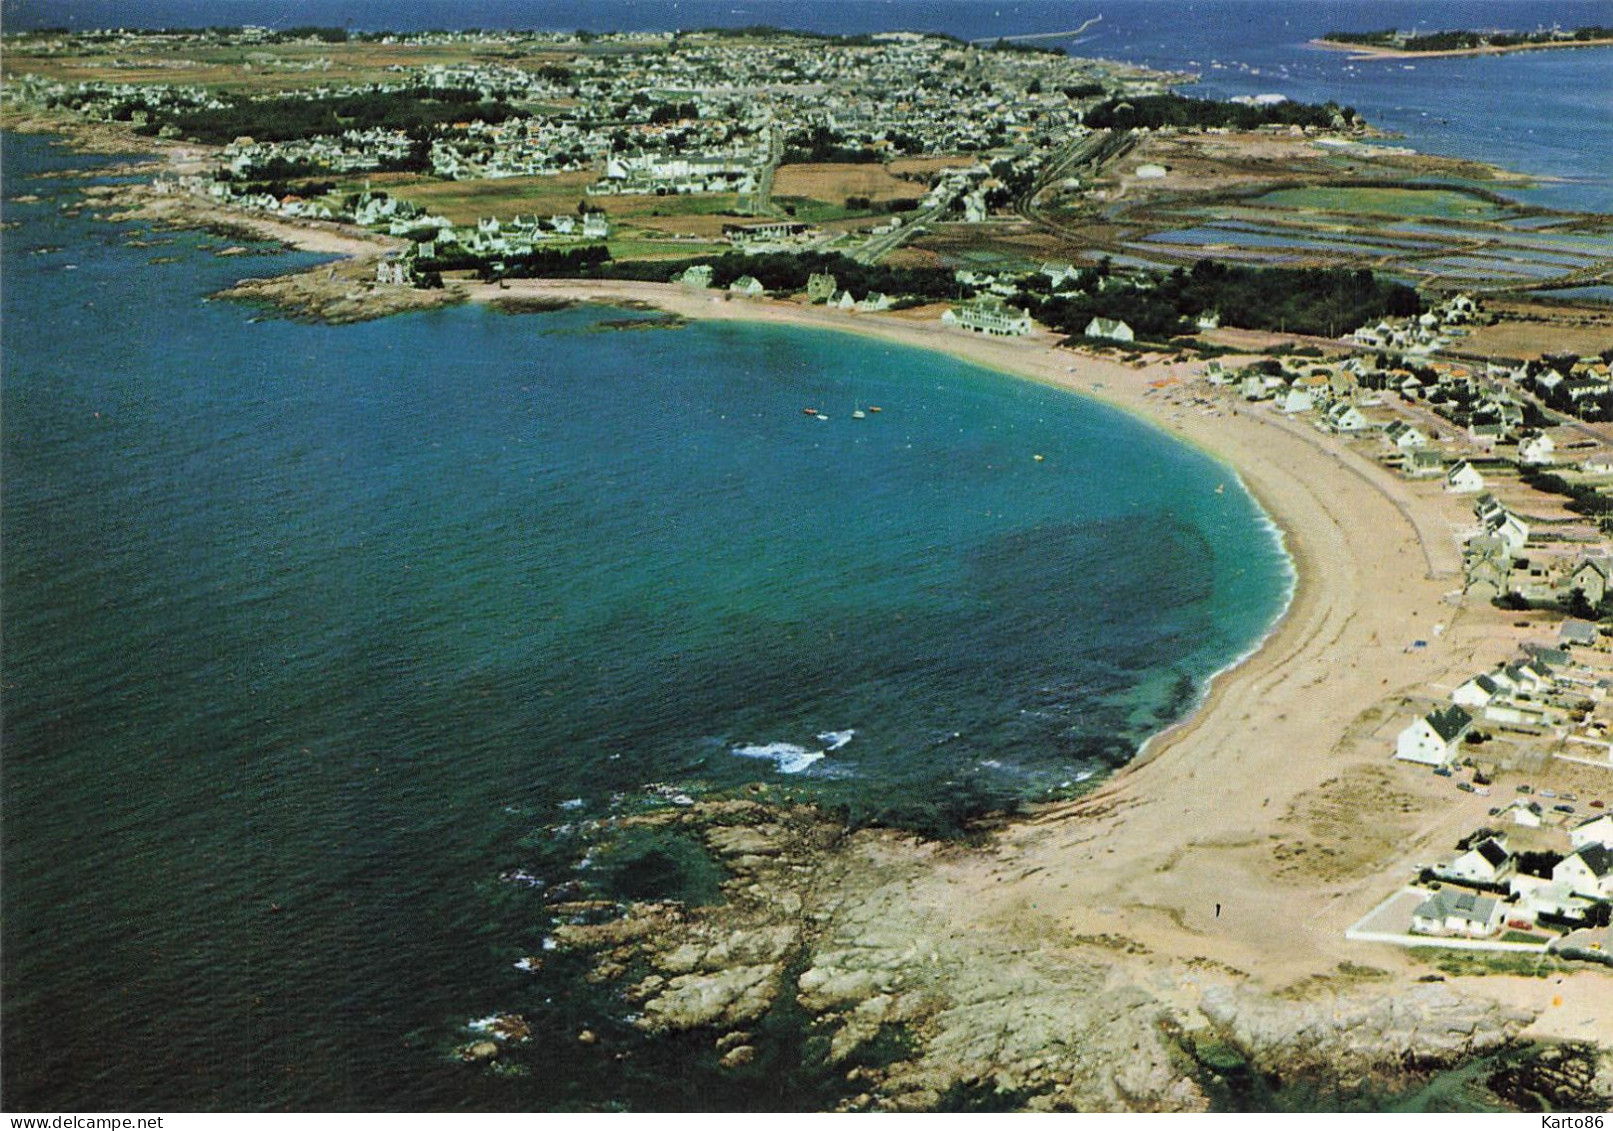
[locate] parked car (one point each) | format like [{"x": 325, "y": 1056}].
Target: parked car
[
  {"x": 1563, "y": 808},
  {"x": 1467, "y": 787}
]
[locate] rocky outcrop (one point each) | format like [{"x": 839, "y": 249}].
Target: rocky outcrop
[
  {"x": 1568, "y": 1077},
  {"x": 722, "y": 965},
  {"x": 1361, "y": 1032},
  {"x": 919, "y": 1013},
  {"x": 732, "y": 996}
]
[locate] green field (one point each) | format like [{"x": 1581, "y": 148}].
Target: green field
[
  {"x": 464, "y": 202},
  {"x": 811, "y": 211},
  {"x": 1443, "y": 204},
  {"x": 630, "y": 248}
]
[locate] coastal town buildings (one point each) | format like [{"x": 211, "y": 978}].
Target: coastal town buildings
[
  {"x": 1113, "y": 329},
  {"x": 1452, "y": 912},
  {"x": 990, "y": 316},
  {"x": 1587, "y": 871},
  {"x": 1433, "y": 738}
]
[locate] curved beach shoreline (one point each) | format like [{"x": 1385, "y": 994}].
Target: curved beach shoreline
[{"x": 1190, "y": 850}]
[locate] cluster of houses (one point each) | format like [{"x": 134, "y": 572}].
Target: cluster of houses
[
  {"x": 770, "y": 235},
  {"x": 109, "y": 101},
  {"x": 351, "y": 151},
  {"x": 1489, "y": 554},
  {"x": 1544, "y": 692},
  {"x": 1488, "y": 887},
  {"x": 491, "y": 239},
  {"x": 655, "y": 174},
  {"x": 1432, "y": 330},
  {"x": 434, "y": 236},
  {"x": 519, "y": 235},
  {"x": 1486, "y": 410},
  {"x": 821, "y": 288},
  {"x": 1583, "y": 387},
  {"x": 1553, "y": 577},
  {"x": 695, "y": 113}
]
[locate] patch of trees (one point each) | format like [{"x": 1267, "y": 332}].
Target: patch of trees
[
  {"x": 418, "y": 110},
  {"x": 673, "y": 112},
  {"x": 1325, "y": 301},
  {"x": 1150, "y": 314},
  {"x": 820, "y": 144},
  {"x": 1156, "y": 110},
  {"x": 545, "y": 263},
  {"x": 863, "y": 204},
  {"x": 1013, "y": 183},
  {"x": 308, "y": 190},
  {"x": 1582, "y": 498},
  {"x": 1538, "y": 864},
  {"x": 281, "y": 169},
  {"x": 322, "y": 34},
  {"x": 786, "y": 271},
  {"x": 1025, "y": 48},
  {"x": 1082, "y": 90}
]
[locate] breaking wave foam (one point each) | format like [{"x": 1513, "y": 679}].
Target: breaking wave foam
[
  {"x": 793, "y": 759},
  {"x": 790, "y": 758}
]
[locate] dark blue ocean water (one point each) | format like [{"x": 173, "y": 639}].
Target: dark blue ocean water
[
  {"x": 1545, "y": 113},
  {"x": 311, "y": 632}
]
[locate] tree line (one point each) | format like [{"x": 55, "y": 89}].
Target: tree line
[
  {"x": 1325, "y": 301},
  {"x": 1156, "y": 110},
  {"x": 416, "y": 111},
  {"x": 783, "y": 272},
  {"x": 1321, "y": 301}
]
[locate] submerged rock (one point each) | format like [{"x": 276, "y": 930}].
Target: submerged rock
[{"x": 738, "y": 1056}]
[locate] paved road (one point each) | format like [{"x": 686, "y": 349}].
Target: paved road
[
  {"x": 1095, "y": 149},
  {"x": 878, "y": 247},
  {"x": 764, "y": 187}
]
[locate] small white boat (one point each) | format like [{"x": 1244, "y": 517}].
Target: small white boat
[{"x": 858, "y": 414}]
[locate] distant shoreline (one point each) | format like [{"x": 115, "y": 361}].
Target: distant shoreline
[{"x": 1368, "y": 51}]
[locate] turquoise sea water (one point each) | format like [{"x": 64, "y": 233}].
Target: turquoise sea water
[{"x": 309, "y": 631}]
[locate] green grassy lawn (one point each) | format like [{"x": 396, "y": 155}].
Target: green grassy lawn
[
  {"x": 693, "y": 204},
  {"x": 810, "y": 211},
  {"x": 632, "y": 248},
  {"x": 1477, "y": 962}
]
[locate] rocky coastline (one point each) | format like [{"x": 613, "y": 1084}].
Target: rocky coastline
[{"x": 916, "y": 1013}]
